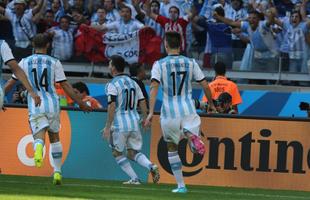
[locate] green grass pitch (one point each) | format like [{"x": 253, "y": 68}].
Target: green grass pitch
[{"x": 38, "y": 188}]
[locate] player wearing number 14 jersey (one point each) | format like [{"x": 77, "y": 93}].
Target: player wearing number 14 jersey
[
  {"x": 122, "y": 128},
  {"x": 178, "y": 115},
  {"x": 43, "y": 72}
]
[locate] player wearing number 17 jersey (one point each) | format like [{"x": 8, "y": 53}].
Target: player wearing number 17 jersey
[
  {"x": 124, "y": 95},
  {"x": 178, "y": 115},
  {"x": 43, "y": 72}
]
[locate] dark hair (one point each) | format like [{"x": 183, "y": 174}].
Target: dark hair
[
  {"x": 173, "y": 39},
  {"x": 118, "y": 62},
  {"x": 220, "y": 68},
  {"x": 126, "y": 7},
  {"x": 81, "y": 87},
  {"x": 40, "y": 40},
  {"x": 220, "y": 11},
  {"x": 155, "y": 1},
  {"x": 49, "y": 11},
  {"x": 175, "y": 8},
  {"x": 134, "y": 69},
  {"x": 257, "y": 13},
  {"x": 65, "y": 17},
  {"x": 297, "y": 12}
]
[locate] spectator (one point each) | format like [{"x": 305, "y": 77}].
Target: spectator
[
  {"x": 137, "y": 73},
  {"x": 173, "y": 23},
  {"x": 236, "y": 12},
  {"x": 58, "y": 10},
  {"x": 112, "y": 14},
  {"x": 101, "y": 13},
  {"x": 47, "y": 22},
  {"x": 221, "y": 84},
  {"x": 220, "y": 38},
  {"x": 262, "y": 39},
  {"x": 294, "y": 41},
  {"x": 23, "y": 27},
  {"x": 155, "y": 5},
  {"x": 82, "y": 91},
  {"x": 62, "y": 45},
  {"x": 125, "y": 25}
]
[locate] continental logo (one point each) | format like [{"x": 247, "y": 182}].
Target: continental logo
[
  {"x": 16, "y": 150},
  {"x": 245, "y": 143}
]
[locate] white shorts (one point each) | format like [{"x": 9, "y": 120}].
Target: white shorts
[
  {"x": 51, "y": 121},
  {"x": 130, "y": 140},
  {"x": 173, "y": 129}
]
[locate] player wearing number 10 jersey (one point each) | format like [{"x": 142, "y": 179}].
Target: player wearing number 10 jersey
[
  {"x": 43, "y": 72},
  {"x": 124, "y": 95},
  {"x": 178, "y": 115}
]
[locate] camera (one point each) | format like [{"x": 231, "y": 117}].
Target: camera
[{"x": 304, "y": 106}]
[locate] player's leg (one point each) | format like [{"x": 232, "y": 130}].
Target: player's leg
[
  {"x": 38, "y": 124},
  {"x": 134, "y": 145},
  {"x": 172, "y": 133},
  {"x": 56, "y": 146},
  {"x": 118, "y": 143},
  {"x": 191, "y": 129},
  {"x": 56, "y": 153}
]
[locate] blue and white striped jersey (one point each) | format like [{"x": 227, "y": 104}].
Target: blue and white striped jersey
[
  {"x": 5, "y": 55},
  {"x": 43, "y": 72},
  {"x": 175, "y": 73},
  {"x": 127, "y": 94},
  {"x": 23, "y": 27},
  {"x": 62, "y": 45}
]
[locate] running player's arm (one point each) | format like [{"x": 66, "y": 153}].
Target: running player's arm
[
  {"x": 112, "y": 95},
  {"x": 141, "y": 101},
  {"x": 62, "y": 80},
  {"x": 19, "y": 73},
  {"x": 9, "y": 85},
  {"x": 155, "y": 81}
]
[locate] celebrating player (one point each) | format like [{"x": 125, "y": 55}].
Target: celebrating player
[
  {"x": 178, "y": 114},
  {"x": 124, "y": 95}
]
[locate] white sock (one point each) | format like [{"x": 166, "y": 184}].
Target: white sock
[
  {"x": 142, "y": 160},
  {"x": 123, "y": 162},
  {"x": 176, "y": 167},
  {"x": 36, "y": 142},
  {"x": 56, "y": 152}
]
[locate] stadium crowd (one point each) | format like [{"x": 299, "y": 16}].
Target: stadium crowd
[{"x": 263, "y": 34}]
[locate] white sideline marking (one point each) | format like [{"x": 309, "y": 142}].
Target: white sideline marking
[{"x": 159, "y": 189}]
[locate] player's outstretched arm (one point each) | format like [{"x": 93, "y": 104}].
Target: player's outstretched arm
[
  {"x": 153, "y": 94},
  {"x": 207, "y": 92},
  {"x": 20, "y": 74},
  {"x": 9, "y": 85},
  {"x": 69, "y": 91}
]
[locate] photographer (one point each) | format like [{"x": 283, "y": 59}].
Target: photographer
[
  {"x": 305, "y": 106},
  {"x": 223, "y": 104},
  {"x": 20, "y": 95}
]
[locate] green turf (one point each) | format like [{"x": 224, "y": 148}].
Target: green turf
[{"x": 33, "y": 188}]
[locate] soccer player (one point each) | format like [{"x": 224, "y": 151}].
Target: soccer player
[
  {"x": 178, "y": 115},
  {"x": 124, "y": 95},
  {"x": 43, "y": 72},
  {"x": 7, "y": 58}
]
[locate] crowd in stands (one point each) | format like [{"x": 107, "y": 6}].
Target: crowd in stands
[{"x": 263, "y": 34}]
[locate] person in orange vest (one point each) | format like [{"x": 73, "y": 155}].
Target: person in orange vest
[
  {"x": 64, "y": 99},
  {"x": 81, "y": 90},
  {"x": 221, "y": 84}
]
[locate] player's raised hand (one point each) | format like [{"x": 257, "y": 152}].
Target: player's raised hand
[
  {"x": 83, "y": 106},
  {"x": 36, "y": 98},
  {"x": 148, "y": 120}
]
